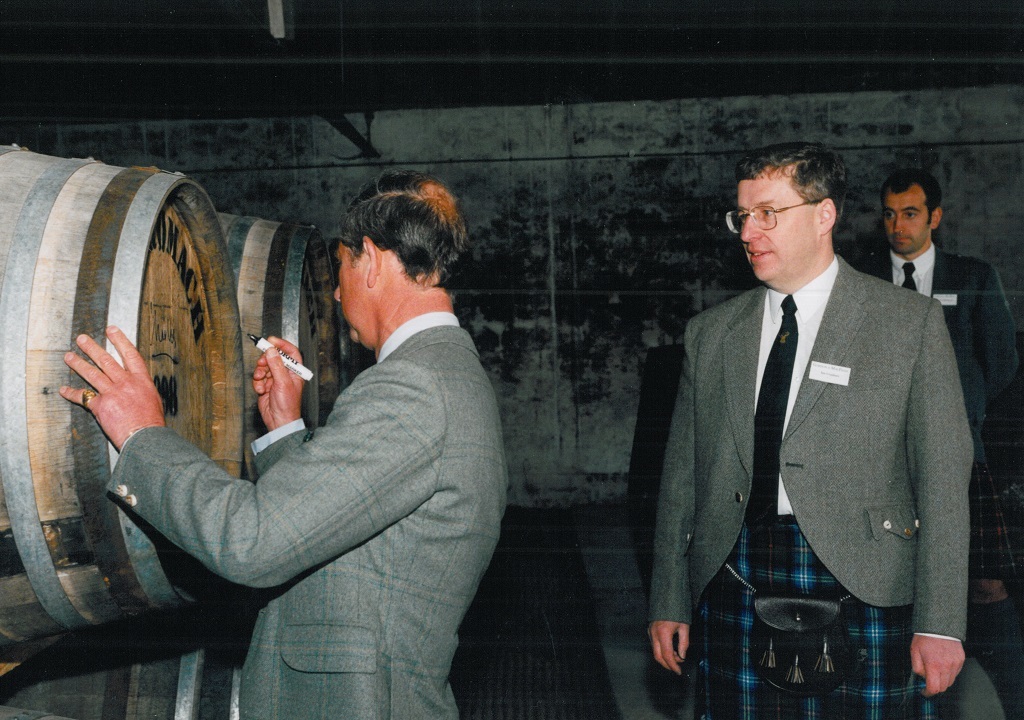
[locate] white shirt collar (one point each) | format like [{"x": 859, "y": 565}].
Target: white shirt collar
[
  {"x": 922, "y": 263},
  {"x": 810, "y": 299},
  {"x": 410, "y": 327}
]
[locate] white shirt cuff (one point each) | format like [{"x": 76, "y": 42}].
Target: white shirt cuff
[
  {"x": 941, "y": 637},
  {"x": 264, "y": 441}
]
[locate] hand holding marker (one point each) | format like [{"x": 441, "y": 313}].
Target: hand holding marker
[{"x": 299, "y": 369}]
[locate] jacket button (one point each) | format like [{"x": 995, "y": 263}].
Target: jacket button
[
  {"x": 887, "y": 525},
  {"x": 739, "y": 497},
  {"x": 131, "y": 500},
  {"x": 908, "y": 532},
  {"x": 121, "y": 490}
]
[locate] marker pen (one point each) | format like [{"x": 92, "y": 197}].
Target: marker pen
[{"x": 298, "y": 368}]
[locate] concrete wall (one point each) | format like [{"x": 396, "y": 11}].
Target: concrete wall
[{"x": 598, "y": 228}]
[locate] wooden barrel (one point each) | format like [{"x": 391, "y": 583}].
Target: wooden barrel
[
  {"x": 84, "y": 245},
  {"x": 286, "y": 284},
  {"x": 163, "y": 666}
]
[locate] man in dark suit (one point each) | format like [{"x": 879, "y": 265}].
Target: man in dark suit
[
  {"x": 378, "y": 528},
  {"x": 982, "y": 331},
  {"x": 863, "y": 493}
]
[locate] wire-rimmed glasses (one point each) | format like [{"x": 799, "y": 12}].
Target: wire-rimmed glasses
[{"x": 763, "y": 215}]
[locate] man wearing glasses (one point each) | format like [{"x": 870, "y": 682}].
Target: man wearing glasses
[{"x": 819, "y": 449}]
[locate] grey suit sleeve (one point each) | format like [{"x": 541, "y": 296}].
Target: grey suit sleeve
[
  {"x": 670, "y": 581},
  {"x": 372, "y": 464},
  {"x": 939, "y": 454}
]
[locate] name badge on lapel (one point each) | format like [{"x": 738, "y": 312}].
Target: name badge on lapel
[
  {"x": 824, "y": 372},
  {"x": 945, "y": 298}
]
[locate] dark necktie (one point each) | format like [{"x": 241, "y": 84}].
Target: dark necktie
[
  {"x": 769, "y": 418},
  {"x": 908, "y": 276}
]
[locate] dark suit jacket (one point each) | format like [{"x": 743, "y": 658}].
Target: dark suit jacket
[
  {"x": 980, "y": 326},
  {"x": 380, "y": 527},
  {"x": 877, "y": 470}
]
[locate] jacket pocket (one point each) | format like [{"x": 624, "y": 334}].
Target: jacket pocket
[
  {"x": 319, "y": 648},
  {"x": 892, "y": 521}
]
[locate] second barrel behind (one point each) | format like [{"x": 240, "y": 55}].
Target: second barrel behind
[{"x": 286, "y": 282}]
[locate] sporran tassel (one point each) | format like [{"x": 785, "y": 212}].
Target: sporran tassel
[
  {"x": 795, "y": 674},
  {"x": 825, "y": 664},
  {"x": 768, "y": 659}
]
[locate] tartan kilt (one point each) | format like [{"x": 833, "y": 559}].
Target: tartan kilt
[
  {"x": 992, "y": 537},
  {"x": 778, "y": 559}
]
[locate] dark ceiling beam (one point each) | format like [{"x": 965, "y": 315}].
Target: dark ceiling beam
[
  {"x": 509, "y": 60},
  {"x": 222, "y": 62},
  {"x": 343, "y": 125}
]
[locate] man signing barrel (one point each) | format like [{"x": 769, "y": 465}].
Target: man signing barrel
[{"x": 378, "y": 528}]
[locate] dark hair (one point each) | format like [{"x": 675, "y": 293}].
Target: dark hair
[
  {"x": 818, "y": 172},
  {"x": 902, "y": 180},
  {"x": 412, "y": 214}
]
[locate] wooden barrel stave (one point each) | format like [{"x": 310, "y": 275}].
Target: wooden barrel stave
[
  {"x": 15, "y": 463},
  {"x": 49, "y": 329},
  {"x": 22, "y": 618}
]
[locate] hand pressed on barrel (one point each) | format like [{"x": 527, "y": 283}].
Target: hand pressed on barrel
[
  {"x": 126, "y": 399},
  {"x": 278, "y": 389}
]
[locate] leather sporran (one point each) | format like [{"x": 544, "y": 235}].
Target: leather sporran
[{"x": 800, "y": 644}]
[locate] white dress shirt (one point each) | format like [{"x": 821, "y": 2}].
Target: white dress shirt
[
  {"x": 410, "y": 327},
  {"x": 810, "y": 306},
  {"x": 924, "y": 270}
]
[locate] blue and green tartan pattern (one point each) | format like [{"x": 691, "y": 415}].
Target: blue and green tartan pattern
[
  {"x": 778, "y": 559},
  {"x": 994, "y": 546}
]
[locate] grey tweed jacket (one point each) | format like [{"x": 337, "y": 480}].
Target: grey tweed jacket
[
  {"x": 877, "y": 470},
  {"x": 378, "y": 529}
]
